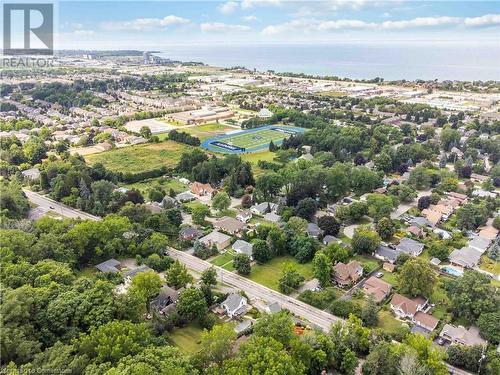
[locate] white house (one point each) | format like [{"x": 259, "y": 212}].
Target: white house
[{"x": 234, "y": 305}]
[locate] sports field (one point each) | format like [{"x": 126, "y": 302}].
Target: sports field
[{"x": 250, "y": 140}]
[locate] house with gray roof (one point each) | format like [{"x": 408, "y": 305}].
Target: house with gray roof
[
  {"x": 410, "y": 246},
  {"x": 466, "y": 257},
  {"x": 130, "y": 274},
  {"x": 243, "y": 328},
  {"x": 263, "y": 208},
  {"x": 111, "y": 265},
  {"x": 31, "y": 174},
  {"x": 164, "y": 302},
  {"x": 481, "y": 244},
  {"x": 462, "y": 336},
  {"x": 186, "y": 196},
  {"x": 314, "y": 230},
  {"x": 387, "y": 254},
  {"x": 234, "y": 305},
  {"x": 328, "y": 239},
  {"x": 273, "y": 308},
  {"x": 272, "y": 217},
  {"x": 243, "y": 247},
  {"x": 421, "y": 222}
]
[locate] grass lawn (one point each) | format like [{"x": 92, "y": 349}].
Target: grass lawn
[
  {"x": 390, "y": 278},
  {"x": 254, "y": 159},
  {"x": 345, "y": 239},
  {"x": 207, "y": 130},
  {"x": 140, "y": 158},
  {"x": 165, "y": 183},
  {"x": 368, "y": 263},
  {"x": 387, "y": 322},
  {"x": 222, "y": 259},
  {"x": 268, "y": 274},
  {"x": 187, "y": 338},
  {"x": 489, "y": 265},
  {"x": 192, "y": 205},
  {"x": 440, "y": 299}
]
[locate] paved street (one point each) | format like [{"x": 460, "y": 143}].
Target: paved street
[
  {"x": 317, "y": 317},
  {"x": 58, "y": 208}
]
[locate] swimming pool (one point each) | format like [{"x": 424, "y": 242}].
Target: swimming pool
[{"x": 452, "y": 271}]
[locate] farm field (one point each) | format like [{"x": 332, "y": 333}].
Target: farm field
[
  {"x": 250, "y": 140},
  {"x": 268, "y": 274},
  {"x": 165, "y": 183},
  {"x": 140, "y": 158}
]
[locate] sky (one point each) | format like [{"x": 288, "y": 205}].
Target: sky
[{"x": 158, "y": 24}]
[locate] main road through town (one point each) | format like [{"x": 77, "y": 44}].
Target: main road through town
[
  {"x": 253, "y": 290},
  {"x": 58, "y": 208}
]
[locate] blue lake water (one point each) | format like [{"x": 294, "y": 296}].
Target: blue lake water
[{"x": 453, "y": 61}]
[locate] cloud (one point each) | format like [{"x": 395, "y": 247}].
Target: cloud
[
  {"x": 246, "y": 4},
  {"x": 144, "y": 24},
  {"x": 84, "y": 32},
  {"x": 250, "y": 18},
  {"x": 314, "y": 25},
  {"x": 486, "y": 20},
  {"x": 421, "y": 22},
  {"x": 219, "y": 27},
  {"x": 228, "y": 8}
]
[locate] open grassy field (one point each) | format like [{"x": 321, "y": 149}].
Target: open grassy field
[
  {"x": 141, "y": 158},
  {"x": 268, "y": 274},
  {"x": 387, "y": 321},
  {"x": 223, "y": 259},
  {"x": 368, "y": 263},
  {"x": 207, "y": 130},
  {"x": 165, "y": 183}
]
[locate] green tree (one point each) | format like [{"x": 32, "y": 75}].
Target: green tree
[
  {"x": 296, "y": 226},
  {"x": 489, "y": 326},
  {"x": 221, "y": 201},
  {"x": 365, "y": 240},
  {"x": 420, "y": 178},
  {"x": 177, "y": 275},
  {"x": 289, "y": 280},
  {"x": 199, "y": 213},
  {"x": 277, "y": 326},
  {"x": 145, "y": 132},
  {"x": 261, "y": 252},
  {"x": 322, "y": 268},
  {"x": 337, "y": 253},
  {"x": 306, "y": 208},
  {"x": 114, "y": 340},
  {"x": 379, "y": 206},
  {"x": 472, "y": 295},
  {"x": 329, "y": 225},
  {"x": 191, "y": 304},
  {"x": 416, "y": 277},
  {"x": 241, "y": 263},
  {"x": 209, "y": 276},
  {"x": 216, "y": 346},
  {"x": 269, "y": 185},
  {"x": 385, "y": 228},
  {"x": 439, "y": 250},
  {"x": 369, "y": 314},
  {"x": 382, "y": 360}
]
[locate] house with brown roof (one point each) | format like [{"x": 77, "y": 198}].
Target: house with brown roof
[
  {"x": 229, "y": 225},
  {"x": 200, "y": 189},
  {"x": 346, "y": 274},
  {"x": 432, "y": 216},
  {"x": 377, "y": 288},
  {"x": 404, "y": 307},
  {"x": 217, "y": 239},
  {"x": 416, "y": 231},
  {"x": 425, "y": 320}
]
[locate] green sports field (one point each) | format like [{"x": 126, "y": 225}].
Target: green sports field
[{"x": 250, "y": 140}]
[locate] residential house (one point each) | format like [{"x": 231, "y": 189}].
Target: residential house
[
  {"x": 244, "y": 215},
  {"x": 481, "y": 193},
  {"x": 478, "y": 177},
  {"x": 111, "y": 265},
  {"x": 328, "y": 239},
  {"x": 409, "y": 246},
  {"x": 243, "y": 328},
  {"x": 234, "y": 305},
  {"x": 416, "y": 231},
  {"x": 165, "y": 302},
  {"x": 314, "y": 230},
  {"x": 404, "y": 307},
  {"x": 185, "y": 196},
  {"x": 421, "y": 222},
  {"x": 377, "y": 288},
  {"x": 229, "y": 225},
  {"x": 387, "y": 254},
  {"x": 265, "y": 113},
  {"x": 200, "y": 189},
  {"x": 32, "y": 174},
  {"x": 435, "y": 262},
  {"x": 489, "y": 232},
  {"x": 272, "y": 217},
  {"x": 128, "y": 276},
  {"x": 346, "y": 274},
  {"x": 273, "y": 308},
  {"x": 243, "y": 247},
  {"x": 481, "y": 244},
  {"x": 217, "y": 239},
  {"x": 389, "y": 267},
  {"x": 169, "y": 202},
  {"x": 459, "y": 196},
  {"x": 432, "y": 216},
  {"x": 462, "y": 336},
  {"x": 189, "y": 234},
  {"x": 425, "y": 320},
  {"x": 154, "y": 207},
  {"x": 443, "y": 234},
  {"x": 263, "y": 208},
  {"x": 466, "y": 257}
]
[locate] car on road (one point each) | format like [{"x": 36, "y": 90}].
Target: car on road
[
  {"x": 52, "y": 207},
  {"x": 379, "y": 274}
]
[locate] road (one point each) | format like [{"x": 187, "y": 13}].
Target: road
[
  {"x": 58, "y": 208},
  {"x": 253, "y": 290}
]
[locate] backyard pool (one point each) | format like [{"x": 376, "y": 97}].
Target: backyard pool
[{"x": 452, "y": 271}]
